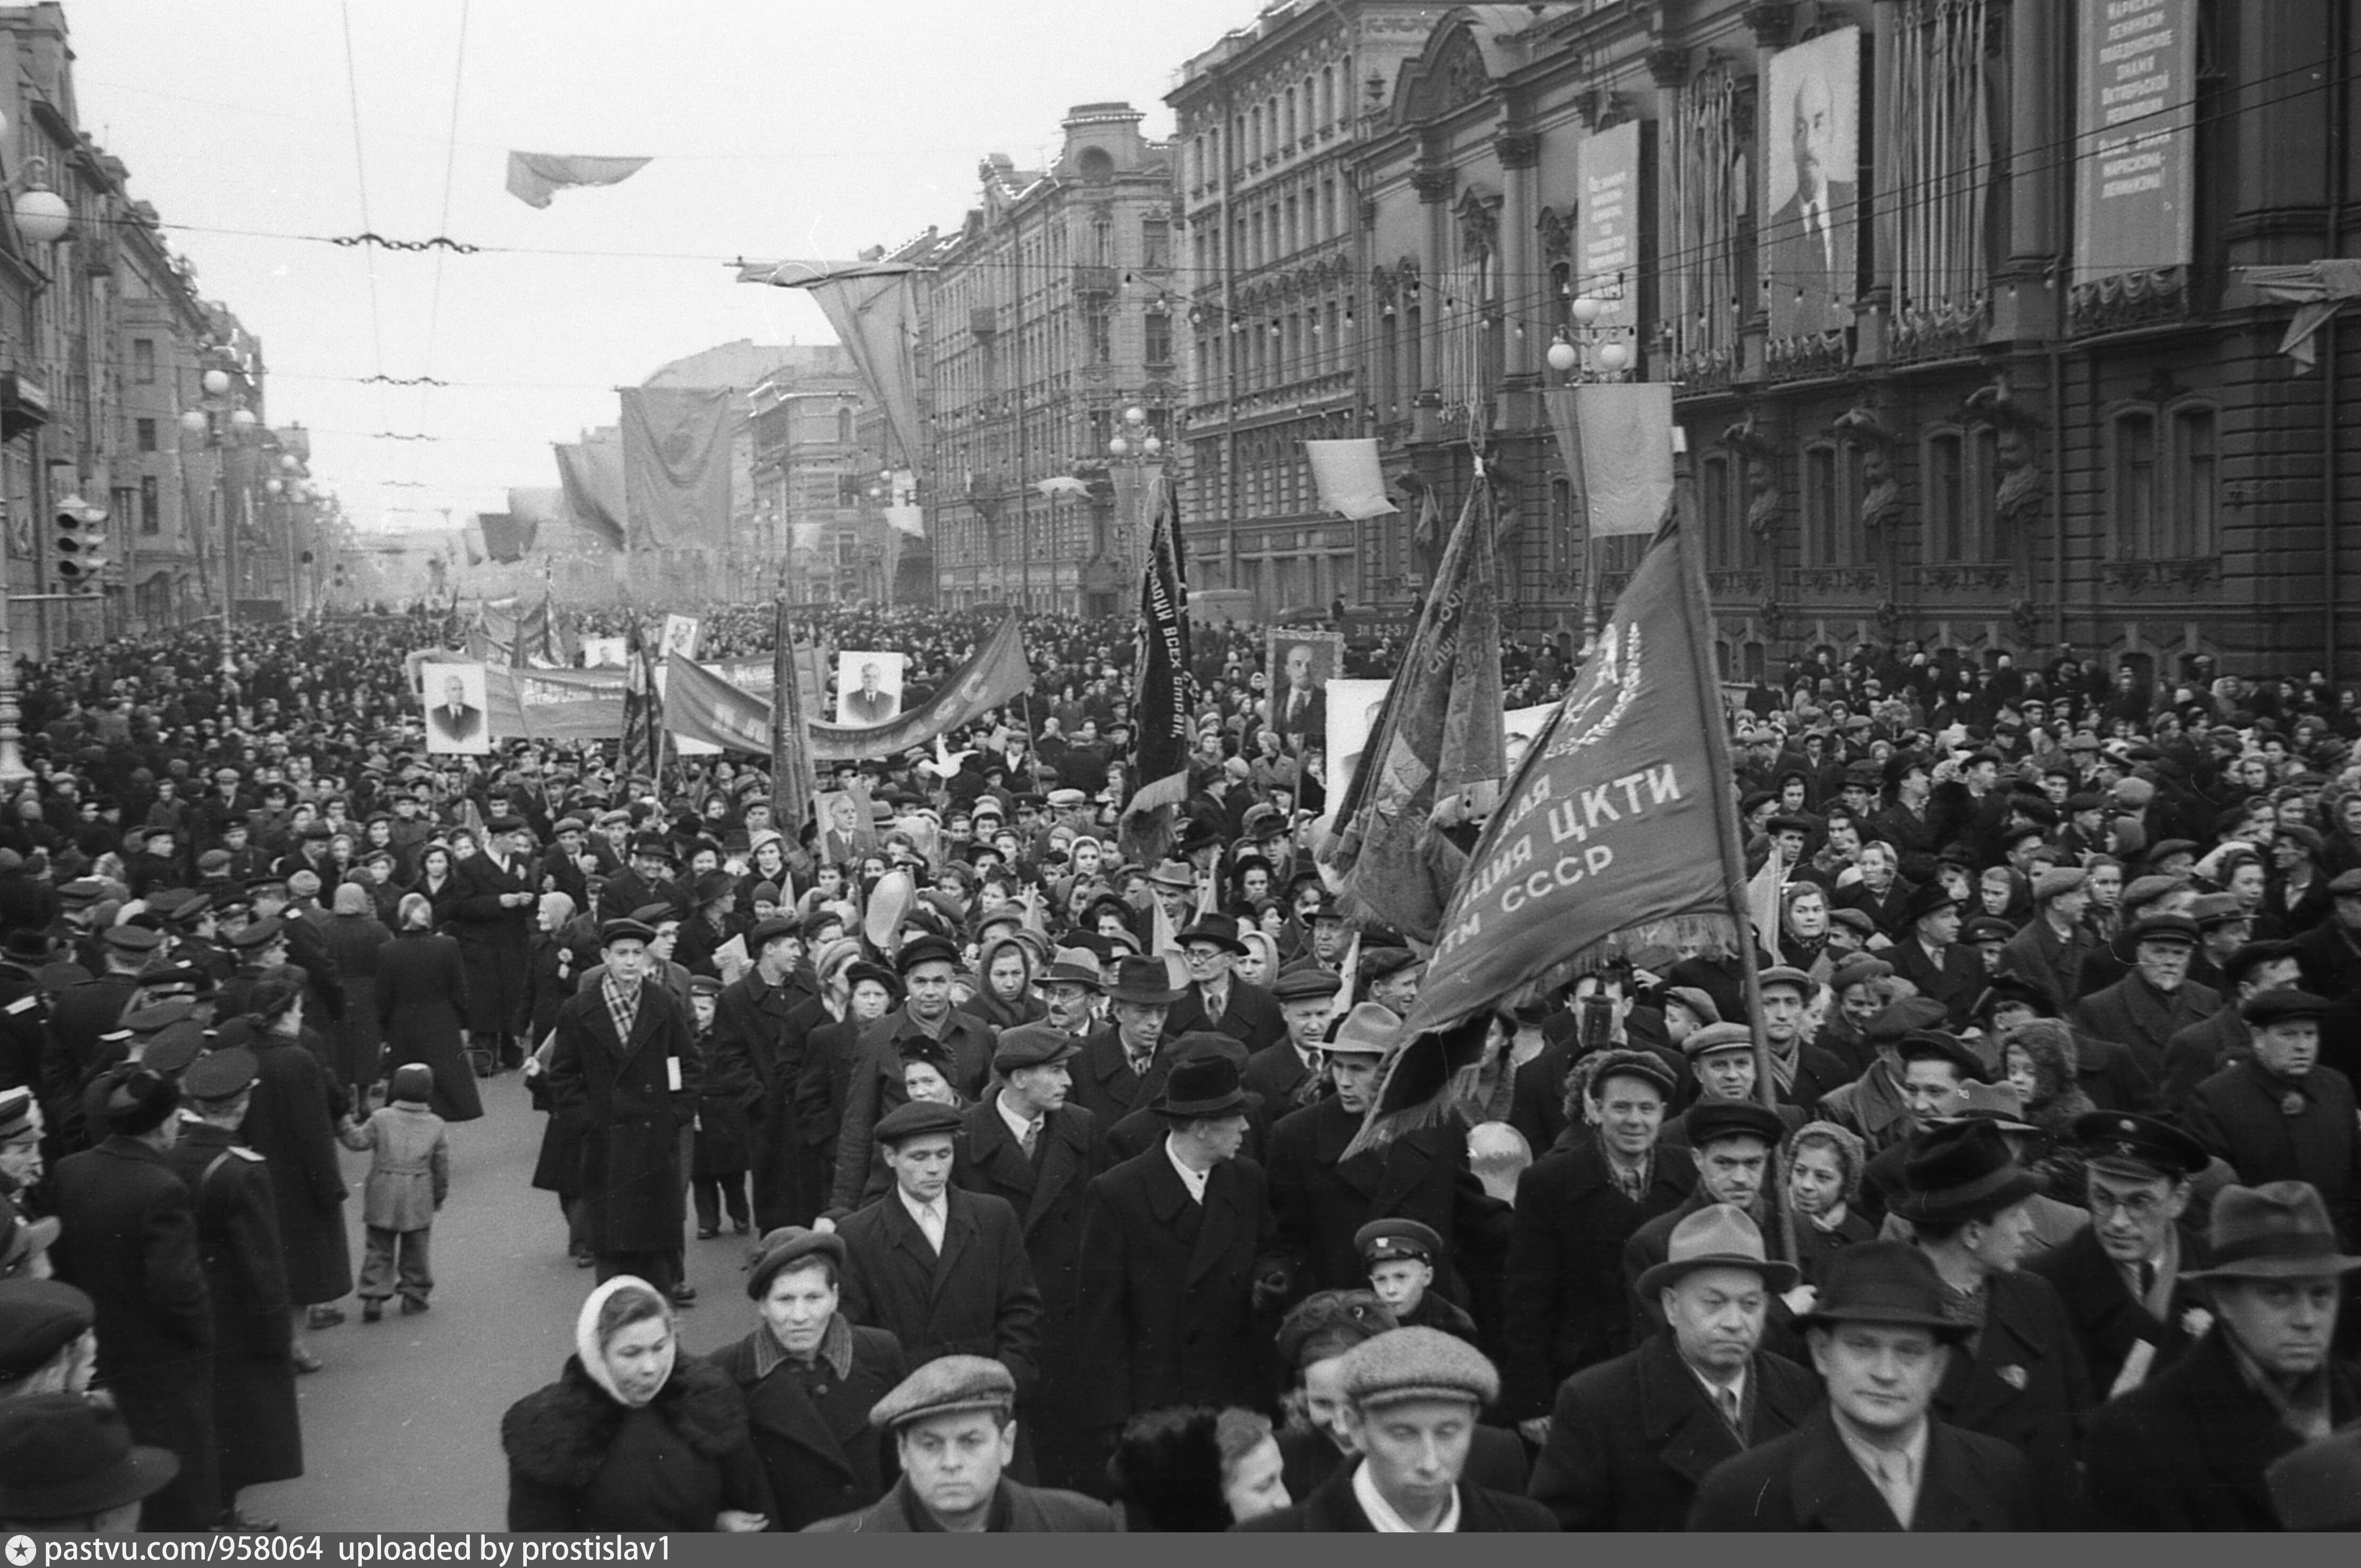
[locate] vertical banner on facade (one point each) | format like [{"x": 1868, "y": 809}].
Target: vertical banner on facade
[
  {"x": 677, "y": 465},
  {"x": 2135, "y": 143},
  {"x": 1610, "y": 255},
  {"x": 1809, "y": 246}
]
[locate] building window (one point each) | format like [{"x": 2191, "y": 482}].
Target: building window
[
  {"x": 145, "y": 430},
  {"x": 2196, "y": 496},
  {"x": 844, "y": 427},
  {"x": 1156, "y": 243},
  {"x": 1159, "y": 338},
  {"x": 151, "y": 505},
  {"x": 1102, "y": 327},
  {"x": 1327, "y": 95},
  {"x": 143, "y": 360},
  {"x": 2132, "y": 508},
  {"x": 1823, "y": 507},
  {"x": 1288, "y": 138},
  {"x": 1713, "y": 498},
  {"x": 1947, "y": 498}
]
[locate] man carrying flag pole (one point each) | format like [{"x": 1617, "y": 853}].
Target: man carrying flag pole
[
  {"x": 1161, "y": 755},
  {"x": 792, "y": 784},
  {"x": 642, "y": 746}
]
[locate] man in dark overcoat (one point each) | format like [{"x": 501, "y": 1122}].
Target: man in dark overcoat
[
  {"x": 2280, "y": 1116},
  {"x": 809, "y": 1377},
  {"x": 2188, "y": 1449},
  {"x": 1181, "y": 1272},
  {"x": 492, "y": 917},
  {"x": 762, "y": 1027},
  {"x": 1123, "y": 1065},
  {"x": 624, "y": 1068},
  {"x": 2156, "y": 1001},
  {"x": 1216, "y": 999},
  {"x": 1321, "y": 1200},
  {"x": 257, "y": 1432},
  {"x": 1566, "y": 1304},
  {"x": 128, "y": 1239},
  {"x": 1630, "y": 1438},
  {"x": 1027, "y": 1147}
]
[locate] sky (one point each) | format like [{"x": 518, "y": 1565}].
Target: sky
[{"x": 778, "y": 127}]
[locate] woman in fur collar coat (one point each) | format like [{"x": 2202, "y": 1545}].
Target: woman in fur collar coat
[{"x": 636, "y": 1434}]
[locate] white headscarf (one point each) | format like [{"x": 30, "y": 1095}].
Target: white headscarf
[{"x": 593, "y": 1355}]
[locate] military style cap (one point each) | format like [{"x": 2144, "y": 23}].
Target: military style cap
[
  {"x": 259, "y": 935},
  {"x": 81, "y": 891},
  {"x": 2138, "y": 1146},
  {"x": 1033, "y": 1045},
  {"x": 1418, "y": 1363},
  {"x": 1396, "y": 1240},
  {"x": 132, "y": 938},
  {"x": 946, "y": 1386},
  {"x": 39, "y": 1318},
  {"x": 18, "y": 1108},
  {"x": 174, "y": 1048},
  {"x": 915, "y": 1119},
  {"x": 220, "y": 1075},
  {"x": 2282, "y": 1006}
]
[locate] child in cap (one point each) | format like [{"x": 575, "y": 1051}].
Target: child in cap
[
  {"x": 408, "y": 1177},
  {"x": 1401, "y": 1257}
]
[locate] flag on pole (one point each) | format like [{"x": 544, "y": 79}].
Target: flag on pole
[
  {"x": 590, "y": 476},
  {"x": 1159, "y": 770},
  {"x": 676, "y": 478},
  {"x": 1438, "y": 736},
  {"x": 793, "y": 778},
  {"x": 874, "y": 307},
  {"x": 1610, "y": 824},
  {"x": 643, "y": 710},
  {"x": 535, "y": 177},
  {"x": 1762, "y": 902}
]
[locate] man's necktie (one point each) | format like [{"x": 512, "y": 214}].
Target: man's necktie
[
  {"x": 1726, "y": 1399},
  {"x": 1032, "y": 1139},
  {"x": 2146, "y": 1278}
]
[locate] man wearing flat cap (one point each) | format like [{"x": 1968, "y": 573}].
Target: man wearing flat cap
[
  {"x": 1292, "y": 1072},
  {"x": 1322, "y": 1199},
  {"x": 2280, "y": 1116},
  {"x": 955, "y": 1433},
  {"x": 2056, "y": 943},
  {"x": 763, "y": 1024},
  {"x": 1630, "y": 1439},
  {"x": 1874, "y": 1457},
  {"x": 809, "y": 1377},
  {"x": 46, "y": 1346},
  {"x": 925, "y": 1027},
  {"x": 2204, "y": 1048},
  {"x": 2124, "y": 1278},
  {"x": 1731, "y": 1146},
  {"x": 2187, "y": 1449},
  {"x": 498, "y": 886},
  {"x": 2157, "y": 1000},
  {"x": 129, "y": 1240},
  {"x": 1411, "y": 1400},
  {"x": 1564, "y": 1304},
  {"x": 257, "y": 1433},
  {"x": 1182, "y": 1270},
  {"x": 941, "y": 1268},
  {"x": 1027, "y": 1147}
]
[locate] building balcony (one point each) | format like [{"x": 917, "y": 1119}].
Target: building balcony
[
  {"x": 1263, "y": 403},
  {"x": 1095, "y": 280}
]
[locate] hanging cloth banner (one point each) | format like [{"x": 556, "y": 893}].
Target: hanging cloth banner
[
  {"x": 873, "y": 306},
  {"x": 590, "y": 476},
  {"x": 1348, "y": 478},
  {"x": 677, "y": 465},
  {"x": 535, "y": 177},
  {"x": 1615, "y": 438}
]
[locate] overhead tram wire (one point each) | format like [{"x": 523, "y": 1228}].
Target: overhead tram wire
[
  {"x": 360, "y": 174},
  {"x": 425, "y": 379}
]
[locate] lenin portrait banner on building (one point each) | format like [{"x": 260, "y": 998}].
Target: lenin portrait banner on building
[
  {"x": 1809, "y": 245},
  {"x": 2135, "y": 138}
]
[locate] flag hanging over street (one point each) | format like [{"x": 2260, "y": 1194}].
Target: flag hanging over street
[
  {"x": 1616, "y": 439},
  {"x": 535, "y": 177},
  {"x": 642, "y": 745},
  {"x": 506, "y": 537},
  {"x": 1161, "y": 755},
  {"x": 1347, "y": 476},
  {"x": 677, "y": 466},
  {"x": 792, "y": 778},
  {"x": 590, "y": 476},
  {"x": 873, "y": 306},
  {"x": 1438, "y": 736}
]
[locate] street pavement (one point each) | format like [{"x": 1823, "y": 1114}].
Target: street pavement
[{"x": 401, "y": 1425}]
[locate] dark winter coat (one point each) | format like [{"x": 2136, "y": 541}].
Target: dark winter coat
[
  {"x": 763, "y": 1060},
  {"x": 2025, "y": 1383},
  {"x": 1333, "y": 1510},
  {"x": 975, "y": 1297},
  {"x": 2108, "y": 1322},
  {"x": 1319, "y": 1200},
  {"x": 258, "y": 1434},
  {"x": 421, "y": 995},
  {"x": 2238, "y": 1114},
  {"x": 358, "y": 1038},
  {"x": 493, "y": 939},
  {"x": 579, "y": 1460},
  {"x": 1018, "y": 1510},
  {"x": 291, "y": 1121},
  {"x": 1809, "y": 1481},
  {"x": 820, "y": 1453},
  {"x": 616, "y": 1096}
]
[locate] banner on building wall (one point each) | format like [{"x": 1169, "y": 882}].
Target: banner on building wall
[
  {"x": 1611, "y": 221},
  {"x": 1808, "y": 246},
  {"x": 2134, "y": 136}
]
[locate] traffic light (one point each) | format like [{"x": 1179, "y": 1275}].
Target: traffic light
[{"x": 78, "y": 544}]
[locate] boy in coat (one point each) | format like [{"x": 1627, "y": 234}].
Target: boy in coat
[{"x": 408, "y": 1177}]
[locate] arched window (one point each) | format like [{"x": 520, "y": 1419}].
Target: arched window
[{"x": 2196, "y": 484}]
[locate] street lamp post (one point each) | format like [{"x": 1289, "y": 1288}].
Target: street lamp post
[
  {"x": 42, "y": 218},
  {"x": 1141, "y": 450},
  {"x": 1591, "y": 352}
]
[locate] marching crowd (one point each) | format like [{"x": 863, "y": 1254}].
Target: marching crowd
[{"x": 1034, "y": 1136}]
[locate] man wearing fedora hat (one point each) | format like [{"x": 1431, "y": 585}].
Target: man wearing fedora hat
[
  {"x": 1217, "y": 998},
  {"x": 2187, "y": 1449},
  {"x": 1564, "y": 1304},
  {"x": 2018, "y": 1373},
  {"x": 1322, "y": 1200},
  {"x": 1630, "y": 1439},
  {"x": 809, "y": 1375},
  {"x": 2123, "y": 1277},
  {"x": 69, "y": 1466},
  {"x": 1182, "y": 1270},
  {"x": 2157, "y": 1000},
  {"x": 1026, "y": 1145},
  {"x": 1874, "y": 1457},
  {"x": 1932, "y": 957},
  {"x": 1122, "y": 1065},
  {"x": 2280, "y": 1116}
]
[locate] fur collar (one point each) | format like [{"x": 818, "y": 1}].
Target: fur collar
[{"x": 559, "y": 1435}]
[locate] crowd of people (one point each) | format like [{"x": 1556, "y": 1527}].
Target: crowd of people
[{"x": 1032, "y": 1130}]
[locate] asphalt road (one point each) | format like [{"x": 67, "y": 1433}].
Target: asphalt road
[{"x": 401, "y": 1425}]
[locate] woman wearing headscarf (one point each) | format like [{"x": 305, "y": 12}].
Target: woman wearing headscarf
[
  {"x": 422, "y": 1001},
  {"x": 1822, "y": 1166},
  {"x": 636, "y": 1433},
  {"x": 1005, "y": 999},
  {"x": 354, "y": 939}
]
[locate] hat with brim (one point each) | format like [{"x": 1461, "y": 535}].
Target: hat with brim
[
  {"x": 1201, "y": 1087},
  {"x": 2277, "y": 1231},
  {"x": 1719, "y": 1235},
  {"x": 1882, "y": 1282},
  {"x": 1931, "y": 899},
  {"x": 64, "y": 1457},
  {"x": 786, "y": 1245},
  {"x": 1959, "y": 1172},
  {"x": 1218, "y": 933},
  {"x": 1144, "y": 983},
  {"x": 2002, "y": 1104},
  {"x": 1369, "y": 1029}
]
